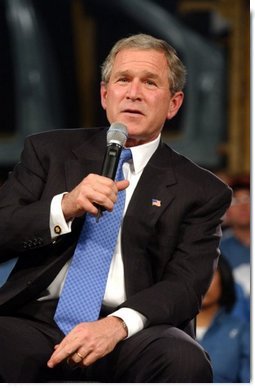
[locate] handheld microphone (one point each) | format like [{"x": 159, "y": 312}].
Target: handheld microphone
[{"x": 116, "y": 138}]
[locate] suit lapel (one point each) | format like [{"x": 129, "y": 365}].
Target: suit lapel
[
  {"x": 86, "y": 158},
  {"x": 153, "y": 192},
  {"x": 156, "y": 183}
]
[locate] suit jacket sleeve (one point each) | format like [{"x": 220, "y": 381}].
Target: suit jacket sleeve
[
  {"x": 24, "y": 206},
  {"x": 25, "y": 198}
]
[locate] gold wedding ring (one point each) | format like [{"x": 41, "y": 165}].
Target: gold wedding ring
[{"x": 80, "y": 355}]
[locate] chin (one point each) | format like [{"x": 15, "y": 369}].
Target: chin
[
  {"x": 136, "y": 135},
  {"x": 130, "y": 121}
]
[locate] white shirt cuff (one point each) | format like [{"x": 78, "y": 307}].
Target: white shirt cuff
[
  {"x": 135, "y": 321},
  {"x": 58, "y": 224}
]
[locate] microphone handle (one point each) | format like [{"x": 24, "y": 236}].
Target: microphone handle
[
  {"x": 109, "y": 168},
  {"x": 111, "y": 160}
]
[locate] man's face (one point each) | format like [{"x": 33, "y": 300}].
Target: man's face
[{"x": 138, "y": 94}]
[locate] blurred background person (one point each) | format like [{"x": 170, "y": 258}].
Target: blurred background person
[
  {"x": 235, "y": 245},
  {"x": 224, "y": 337}
]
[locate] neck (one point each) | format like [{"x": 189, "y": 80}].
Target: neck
[{"x": 136, "y": 141}]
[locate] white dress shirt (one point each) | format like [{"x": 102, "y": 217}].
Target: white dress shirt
[{"x": 115, "y": 292}]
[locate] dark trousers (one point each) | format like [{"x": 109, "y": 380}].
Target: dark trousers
[{"x": 158, "y": 354}]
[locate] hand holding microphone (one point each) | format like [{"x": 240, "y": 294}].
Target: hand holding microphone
[{"x": 93, "y": 191}]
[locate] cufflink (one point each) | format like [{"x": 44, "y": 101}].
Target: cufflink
[{"x": 57, "y": 229}]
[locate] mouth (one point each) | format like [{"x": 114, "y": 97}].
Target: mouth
[{"x": 133, "y": 112}]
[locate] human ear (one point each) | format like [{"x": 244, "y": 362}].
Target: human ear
[
  {"x": 175, "y": 104},
  {"x": 103, "y": 94}
]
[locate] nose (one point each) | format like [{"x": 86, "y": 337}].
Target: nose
[{"x": 134, "y": 90}]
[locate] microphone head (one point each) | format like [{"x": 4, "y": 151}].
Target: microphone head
[{"x": 117, "y": 133}]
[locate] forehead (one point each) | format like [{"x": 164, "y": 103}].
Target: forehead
[{"x": 137, "y": 59}]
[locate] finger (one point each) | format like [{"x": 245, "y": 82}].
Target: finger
[
  {"x": 90, "y": 358},
  {"x": 64, "y": 350},
  {"x": 107, "y": 201},
  {"x": 78, "y": 357},
  {"x": 100, "y": 195},
  {"x": 98, "y": 183},
  {"x": 57, "y": 357},
  {"x": 122, "y": 185},
  {"x": 73, "y": 364}
]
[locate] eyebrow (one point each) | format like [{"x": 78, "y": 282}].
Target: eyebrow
[{"x": 146, "y": 74}]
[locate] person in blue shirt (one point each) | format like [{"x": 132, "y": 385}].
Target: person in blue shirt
[
  {"x": 226, "y": 338},
  {"x": 235, "y": 246}
]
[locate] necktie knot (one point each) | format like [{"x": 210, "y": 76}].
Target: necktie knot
[{"x": 125, "y": 155}]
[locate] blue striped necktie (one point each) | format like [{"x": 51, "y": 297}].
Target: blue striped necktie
[{"x": 83, "y": 292}]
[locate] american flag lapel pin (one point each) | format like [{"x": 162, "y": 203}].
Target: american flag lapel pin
[{"x": 156, "y": 202}]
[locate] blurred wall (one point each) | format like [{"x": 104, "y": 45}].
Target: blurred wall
[{"x": 51, "y": 52}]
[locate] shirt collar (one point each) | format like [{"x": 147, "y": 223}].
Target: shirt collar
[{"x": 142, "y": 153}]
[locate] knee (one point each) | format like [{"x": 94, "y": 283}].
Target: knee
[
  {"x": 195, "y": 364},
  {"x": 186, "y": 360},
  {"x": 161, "y": 354}
]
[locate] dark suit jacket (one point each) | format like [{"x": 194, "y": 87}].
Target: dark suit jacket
[{"x": 169, "y": 251}]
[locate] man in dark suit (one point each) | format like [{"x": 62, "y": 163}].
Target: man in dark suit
[{"x": 166, "y": 251}]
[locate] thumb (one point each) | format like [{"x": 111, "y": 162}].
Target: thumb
[{"x": 122, "y": 185}]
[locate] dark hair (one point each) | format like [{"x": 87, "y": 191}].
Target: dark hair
[
  {"x": 228, "y": 293},
  {"x": 240, "y": 183}
]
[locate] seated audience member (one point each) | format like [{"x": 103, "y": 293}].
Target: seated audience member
[
  {"x": 226, "y": 178},
  {"x": 236, "y": 245},
  {"x": 241, "y": 308},
  {"x": 224, "y": 337}
]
